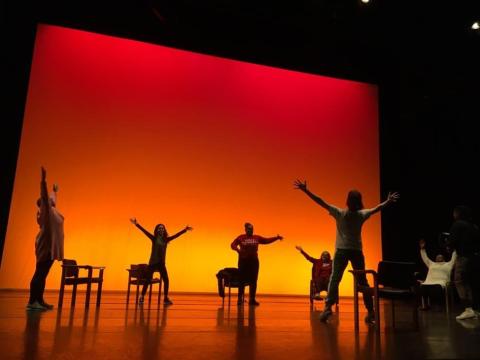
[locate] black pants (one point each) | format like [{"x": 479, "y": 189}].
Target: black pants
[
  {"x": 249, "y": 275},
  {"x": 37, "y": 284},
  {"x": 149, "y": 274},
  {"x": 432, "y": 292},
  {"x": 340, "y": 262}
]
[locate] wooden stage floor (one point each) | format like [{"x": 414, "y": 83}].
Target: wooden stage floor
[{"x": 198, "y": 327}]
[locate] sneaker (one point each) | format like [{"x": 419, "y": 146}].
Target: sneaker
[
  {"x": 167, "y": 301},
  {"x": 325, "y": 315},
  {"x": 140, "y": 300},
  {"x": 370, "y": 318},
  {"x": 45, "y": 305},
  {"x": 253, "y": 303},
  {"x": 35, "y": 306},
  {"x": 467, "y": 314}
]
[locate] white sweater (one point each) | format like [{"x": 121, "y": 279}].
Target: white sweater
[{"x": 438, "y": 272}]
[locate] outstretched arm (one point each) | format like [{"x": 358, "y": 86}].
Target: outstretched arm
[
  {"x": 303, "y": 187},
  {"x": 423, "y": 253},
  {"x": 173, "y": 237},
  {"x": 392, "y": 197},
  {"x": 262, "y": 240},
  {"x": 453, "y": 259},
  {"x": 308, "y": 257},
  {"x": 149, "y": 235}
]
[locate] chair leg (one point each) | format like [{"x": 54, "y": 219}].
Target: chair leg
[
  {"x": 74, "y": 295},
  {"x": 128, "y": 291},
  {"x": 355, "y": 304},
  {"x": 229, "y": 295},
  {"x": 447, "y": 300},
  {"x": 150, "y": 295},
  {"x": 87, "y": 299},
  {"x": 60, "y": 295},
  {"x": 99, "y": 292},
  {"x": 136, "y": 294}
]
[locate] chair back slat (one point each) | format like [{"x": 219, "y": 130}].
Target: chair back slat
[
  {"x": 70, "y": 271},
  {"x": 138, "y": 271},
  {"x": 400, "y": 275}
]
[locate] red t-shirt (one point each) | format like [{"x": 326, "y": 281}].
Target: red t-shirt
[
  {"x": 249, "y": 244},
  {"x": 321, "y": 270}
]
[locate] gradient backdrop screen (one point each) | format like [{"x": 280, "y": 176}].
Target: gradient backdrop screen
[{"x": 133, "y": 129}]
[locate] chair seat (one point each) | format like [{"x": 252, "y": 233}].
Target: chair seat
[
  {"x": 143, "y": 281},
  {"x": 394, "y": 293},
  {"x": 82, "y": 280}
]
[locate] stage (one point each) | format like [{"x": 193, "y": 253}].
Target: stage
[{"x": 198, "y": 327}]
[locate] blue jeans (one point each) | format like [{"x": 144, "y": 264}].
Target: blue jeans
[{"x": 340, "y": 262}]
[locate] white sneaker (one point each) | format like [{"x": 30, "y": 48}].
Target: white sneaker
[{"x": 467, "y": 314}]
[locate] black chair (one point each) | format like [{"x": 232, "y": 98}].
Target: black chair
[
  {"x": 392, "y": 280},
  {"x": 137, "y": 276},
  {"x": 228, "y": 277},
  {"x": 70, "y": 272}
]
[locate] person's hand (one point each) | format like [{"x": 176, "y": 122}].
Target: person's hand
[
  {"x": 299, "y": 248},
  {"x": 298, "y": 184},
  {"x": 188, "y": 228},
  {"x": 44, "y": 173},
  {"x": 55, "y": 188},
  {"x": 422, "y": 243},
  {"x": 279, "y": 237},
  {"x": 393, "y": 197},
  {"x": 133, "y": 221}
]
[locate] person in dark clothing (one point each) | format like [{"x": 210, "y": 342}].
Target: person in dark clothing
[
  {"x": 321, "y": 270},
  {"x": 246, "y": 246},
  {"x": 48, "y": 244},
  {"x": 160, "y": 240},
  {"x": 348, "y": 246},
  {"x": 465, "y": 238}
]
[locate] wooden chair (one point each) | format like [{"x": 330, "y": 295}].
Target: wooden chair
[
  {"x": 228, "y": 277},
  {"x": 392, "y": 280},
  {"x": 70, "y": 276},
  {"x": 137, "y": 276}
]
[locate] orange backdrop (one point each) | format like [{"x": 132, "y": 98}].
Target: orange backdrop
[{"x": 134, "y": 129}]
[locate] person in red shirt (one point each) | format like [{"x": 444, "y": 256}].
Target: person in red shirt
[
  {"x": 247, "y": 247},
  {"x": 321, "y": 270}
]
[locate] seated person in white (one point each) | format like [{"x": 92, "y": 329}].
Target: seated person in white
[{"x": 439, "y": 274}]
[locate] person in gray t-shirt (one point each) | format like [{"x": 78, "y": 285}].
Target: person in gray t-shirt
[{"x": 348, "y": 244}]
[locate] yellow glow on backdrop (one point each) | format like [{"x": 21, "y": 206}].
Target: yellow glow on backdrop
[{"x": 133, "y": 129}]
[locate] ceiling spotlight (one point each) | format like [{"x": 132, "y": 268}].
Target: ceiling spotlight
[
  {"x": 365, "y": 1},
  {"x": 476, "y": 25}
]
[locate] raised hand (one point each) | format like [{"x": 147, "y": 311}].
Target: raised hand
[
  {"x": 133, "y": 221},
  {"x": 188, "y": 228},
  {"x": 422, "y": 243},
  {"x": 298, "y": 184},
  {"x": 55, "y": 188},
  {"x": 44, "y": 173},
  {"x": 393, "y": 197},
  {"x": 299, "y": 248},
  {"x": 279, "y": 237}
]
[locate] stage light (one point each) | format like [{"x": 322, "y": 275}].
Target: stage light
[
  {"x": 476, "y": 25},
  {"x": 365, "y": 1}
]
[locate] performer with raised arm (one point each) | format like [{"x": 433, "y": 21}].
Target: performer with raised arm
[
  {"x": 348, "y": 245},
  {"x": 160, "y": 240},
  {"x": 48, "y": 244},
  {"x": 247, "y": 247},
  {"x": 321, "y": 271}
]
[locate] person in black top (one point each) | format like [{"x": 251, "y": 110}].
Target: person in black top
[
  {"x": 465, "y": 238},
  {"x": 160, "y": 240}
]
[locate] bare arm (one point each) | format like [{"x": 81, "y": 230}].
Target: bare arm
[
  {"x": 44, "y": 193},
  {"x": 149, "y": 235},
  {"x": 308, "y": 257},
  {"x": 173, "y": 237},
  {"x": 392, "y": 197},
  {"x": 453, "y": 259},
  {"x": 303, "y": 187},
  {"x": 262, "y": 240}
]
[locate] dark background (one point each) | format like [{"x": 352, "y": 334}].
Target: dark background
[{"x": 423, "y": 55}]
